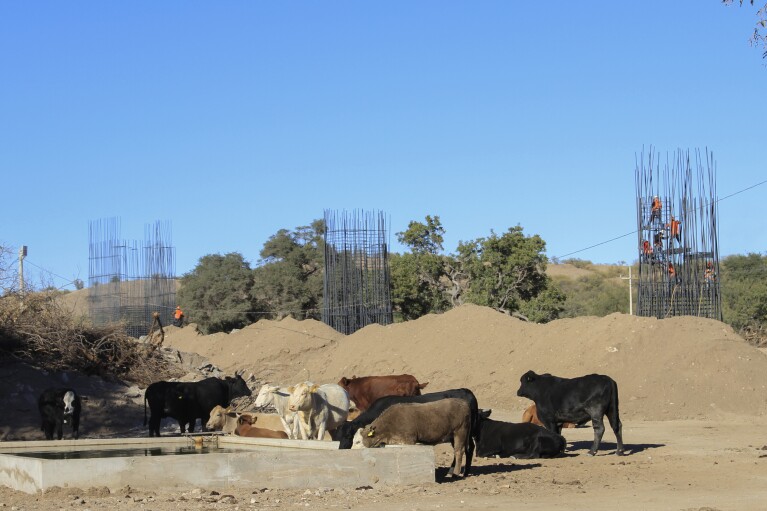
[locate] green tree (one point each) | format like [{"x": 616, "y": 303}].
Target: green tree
[
  {"x": 506, "y": 271},
  {"x": 417, "y": 287},
  {"x": 743, "y": 285},
  {"x": 216, "y": 293},
  {"x": 289, "y": 278},
  {"x": 423, "y": 238},
  {"x": 419, "y": 278}
]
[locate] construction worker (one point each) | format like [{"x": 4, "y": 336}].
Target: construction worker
[
  {"x": 672, "y": 278},
  {"x": 709, "y": 276},
  {"x": 647, "y": 250},
  {"x": 178, "y": 317},
  {"x": 673, "y": 227},
  {"x": 655, "y": 209},
  {"x": 657, "y": 240}
]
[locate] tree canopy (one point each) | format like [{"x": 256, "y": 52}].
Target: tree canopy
[{"x": 216, "y": 293}]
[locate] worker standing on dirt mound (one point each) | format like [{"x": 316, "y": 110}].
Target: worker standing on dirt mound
[{"x": 178, "y": 317}]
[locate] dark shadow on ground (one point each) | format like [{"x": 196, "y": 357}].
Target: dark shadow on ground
[
  {"x": 609, "y": 448},
  {"x": 498, "y": 468}
]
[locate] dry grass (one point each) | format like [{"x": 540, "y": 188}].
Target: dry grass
[{"x": 38, "y": 330}]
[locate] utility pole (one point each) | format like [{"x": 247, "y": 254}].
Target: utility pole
[
  {"x": 631, "y": 293},
  {"x": 22, "y": 255}
]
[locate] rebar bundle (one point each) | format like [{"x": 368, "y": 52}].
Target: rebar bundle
[
  {"x": 357, "y": 288},
  {"x": 677, "y": 240},
  {"x": 128, "y": 281}
]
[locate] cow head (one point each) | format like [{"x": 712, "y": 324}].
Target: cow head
[
  {"x": 301, "y": 396},
  {"x": 368, "y": 437},
  {"x": 237, "y": 386},
  {"x": 528, "y": 386},
  {"x": 264, "y": 397},
  {"x": 246, "y": 418},
  {"x": 69, "y": 405},
  {"x": 218, "y": 417}
]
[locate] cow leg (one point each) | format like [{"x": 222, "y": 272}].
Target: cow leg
[
  {"x": 617, "y": 426},
  {"x": 48, "y": 428},
  {"x": 303, "y": 427},
  {"x": 75, "y": 427},
  {"x": 59, "y": 428},
  {"x": 458, "y": 450},
  {"x": 599, "y": 430},
  {"x": 469, "y": 455},
  {"x": 288, "y": 427},
  {"x": 321, "y": 430},
  {"x": 154, "y": 425}
]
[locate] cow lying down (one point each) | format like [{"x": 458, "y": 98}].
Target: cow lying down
[
  {"x": 245, "y": 427},
  {"x": 223, "y": 419},
  {"x": 531, "y": 415},
  {"x": 522, "y": 441},
  {"x": 446, "y": 420}
]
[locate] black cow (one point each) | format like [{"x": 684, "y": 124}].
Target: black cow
[
  {"x": 576, "y": 400},
  {"x": 523, "y": 441},
  {"x": 188, "y": 401},
  {"x": 345, "y": 433},
  {"x": 59, "y": 406},
  {"x": 156, "y": 394}
]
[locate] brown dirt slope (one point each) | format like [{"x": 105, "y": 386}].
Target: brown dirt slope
[{"x": 674, "y": 368}]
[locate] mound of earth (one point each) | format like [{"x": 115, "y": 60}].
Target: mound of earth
[{"x": 683, "y": 367}]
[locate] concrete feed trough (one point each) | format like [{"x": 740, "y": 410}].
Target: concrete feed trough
[{"x": 211, "y": 462}]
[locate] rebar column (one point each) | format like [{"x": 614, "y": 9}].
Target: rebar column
[
  {"x": 129, "y": 280},
  {"x": 357, "y": 286},
  {"x": 677, "y": 238}
]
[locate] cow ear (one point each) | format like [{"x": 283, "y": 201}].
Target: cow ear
[
  {"x": 291, "y": 389},
  {"x": 372, "y": 431},
  {"x": 344, "y": 381}
]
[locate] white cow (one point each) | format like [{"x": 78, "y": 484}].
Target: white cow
[
  {"x": 278, "y": 397},
  {"x": 223, "y": 419},
  {"x": 320, "y": 408}
]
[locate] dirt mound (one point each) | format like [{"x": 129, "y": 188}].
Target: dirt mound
[{"x": 681, "y": 367}]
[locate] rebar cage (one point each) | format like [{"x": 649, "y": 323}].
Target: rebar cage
[
  {"x": 677, "y": 238},
  {"x": 129, "y": 280},
  {"x": 357, "y": 287}
]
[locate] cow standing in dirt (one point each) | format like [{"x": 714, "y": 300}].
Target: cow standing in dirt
[
  {"x": 59, "y": 406},
  {"x": 446, "y": 420},
  {"x": 559, "y": 400}
]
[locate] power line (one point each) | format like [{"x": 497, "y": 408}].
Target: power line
[
  {"x": 66, "y": 279},
  {"x": 635, "y": 231}
]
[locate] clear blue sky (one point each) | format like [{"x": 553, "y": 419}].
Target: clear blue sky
[{"x": 235, "y": 119}]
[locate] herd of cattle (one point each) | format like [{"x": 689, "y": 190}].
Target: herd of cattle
[{"x": 384, "y": 410}]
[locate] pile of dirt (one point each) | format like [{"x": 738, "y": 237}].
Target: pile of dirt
[{"x": 682, "y": 367}]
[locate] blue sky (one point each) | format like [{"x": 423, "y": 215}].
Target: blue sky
[{"x": 232, "y": 120}]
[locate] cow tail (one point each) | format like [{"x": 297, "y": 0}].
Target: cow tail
[
  {"x": 144, "y": 409},
  {"x": 612, "y": 414}
]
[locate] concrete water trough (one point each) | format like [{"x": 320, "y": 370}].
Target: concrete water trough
[{"x": 208, "y": 461}]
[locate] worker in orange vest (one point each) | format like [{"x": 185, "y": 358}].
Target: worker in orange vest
[
  {"x": 178, "y": 317},
  {"x": 655, "y": 208},
  {"x": 673, "y": 227},
  {"x": 647, "y": 250}
]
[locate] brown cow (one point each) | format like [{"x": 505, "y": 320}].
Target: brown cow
[
  {"x": 446, "y": 420},
  {"x": 245, "y": 428},
  {"x": 366, "y": 389},
  {"x": 531, "y": 415}
]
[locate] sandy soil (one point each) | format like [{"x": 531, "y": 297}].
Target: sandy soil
[{"x": 693, "y": 403}]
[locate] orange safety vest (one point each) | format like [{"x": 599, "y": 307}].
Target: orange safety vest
[
  {"x": 178, "y": 314},
  {"x": 674, "y": 225},
  {"x": 646, "y": 247}
]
